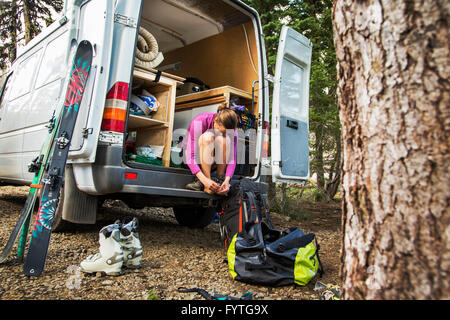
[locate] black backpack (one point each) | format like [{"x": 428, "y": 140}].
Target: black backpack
[{"x": 244, "y": 203}]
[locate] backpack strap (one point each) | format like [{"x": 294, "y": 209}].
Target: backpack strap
[
  {"x": 202, "y": 292},
  {"x": 264, "y": 266},
  {"x": 254, "y": 214},
  {"x": 215, "y": 296},
  {"x": 265, "y": 209},
  {"x": 241, "y": 215},
  {"x": 321, "y": 272}
]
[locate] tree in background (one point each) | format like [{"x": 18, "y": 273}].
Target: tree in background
[
  {"x": 23, "y": 16},
  {"x": 394, "y": 102},
  {"x": 272, "y": 13},
  {"x": 9, "y": 28}
]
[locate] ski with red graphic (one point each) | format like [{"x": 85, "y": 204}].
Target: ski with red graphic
[
  {"x": 37, "y": 167},
  {"x": 54, "y": 169}
]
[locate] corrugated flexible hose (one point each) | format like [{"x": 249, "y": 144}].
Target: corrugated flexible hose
[{"x": 147, "y": 51}]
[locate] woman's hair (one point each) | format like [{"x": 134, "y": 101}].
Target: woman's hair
[{"x": 226, "y": 117}]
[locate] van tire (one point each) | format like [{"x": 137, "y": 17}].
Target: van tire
[
  {"x": 74, "y": 207},
  {"x": 194, "y": 217}
]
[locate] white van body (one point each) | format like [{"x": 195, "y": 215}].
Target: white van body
[{"x": 221, "y": 40}]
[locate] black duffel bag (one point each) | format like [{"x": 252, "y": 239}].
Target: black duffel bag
[{"x": 262, "y": 255}]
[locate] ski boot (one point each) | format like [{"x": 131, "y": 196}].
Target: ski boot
[
  {"x": 109, "y": 259},
  {"x": 131, "y": 245}
]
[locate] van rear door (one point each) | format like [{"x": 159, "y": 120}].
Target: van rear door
[
  {"x": 290, "y": 132},
  {"x": 95, "y": 24}
]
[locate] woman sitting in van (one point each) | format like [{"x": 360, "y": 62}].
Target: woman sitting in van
[{"x": 209, "y": 143}]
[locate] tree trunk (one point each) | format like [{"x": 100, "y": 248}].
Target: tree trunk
[
  {"x": 393, "y": 78},
  {"x": 27, "y": 22},
  {"x": 271, "y": 192},
  {"x": 13, "y": 36},
  {"x": 283, "y": 201},
  {"x": 319, "y": 158},
  {"x": 333, "y": 185}
]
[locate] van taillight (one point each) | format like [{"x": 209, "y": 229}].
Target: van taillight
[
  {"x": 130, "y": 175},
  {"x": 116, "y": 108},
  {"x": 265, "y": 152}
]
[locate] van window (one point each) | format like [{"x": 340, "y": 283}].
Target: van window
[
  {"x": 24, "y": 76},
  {"x": 53, "y": 64},
  {"x": 289, "y": 95}
]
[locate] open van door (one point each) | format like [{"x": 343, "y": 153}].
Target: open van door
[
  {"x": 290, "y": 132},
  {"x": 95, "y": 24}
]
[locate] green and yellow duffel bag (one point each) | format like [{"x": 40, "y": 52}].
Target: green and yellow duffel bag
[{"x": 264, "y": 256}]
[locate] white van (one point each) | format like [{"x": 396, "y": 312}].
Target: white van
[{"x": 209, "y": 51}]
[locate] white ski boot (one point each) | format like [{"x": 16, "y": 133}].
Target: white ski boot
[
  {"x": 131, "y": 245},
  {"x": 109, "y": 259}
]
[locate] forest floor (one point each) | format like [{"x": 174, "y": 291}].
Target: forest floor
[{"x": 174, "y": 256}]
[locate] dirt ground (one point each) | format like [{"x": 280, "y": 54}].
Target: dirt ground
[{"x": 174, "y": 256}]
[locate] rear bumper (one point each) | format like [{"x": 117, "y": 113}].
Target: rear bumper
[{"x": 110, "y": 175}]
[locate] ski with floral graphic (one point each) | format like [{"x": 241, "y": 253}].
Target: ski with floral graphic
[
  {"x": 37, "y": 167},
  {"x": 54, "y": 169}
]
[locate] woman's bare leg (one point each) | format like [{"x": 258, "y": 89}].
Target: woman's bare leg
[
  {"x": 206, "y": 147},
  {"x": 222, "y": 146}
]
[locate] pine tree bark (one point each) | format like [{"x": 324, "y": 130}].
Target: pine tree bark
[
  {"x": 393, "y": 74},
  {"x": 333, "y": 185},
  {"x": 13, "y": 35},
  {"x": 27, "y": 22},
  {"x": 319, "y": 166}
]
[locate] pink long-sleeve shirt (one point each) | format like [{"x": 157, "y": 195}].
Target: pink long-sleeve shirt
[{"x": 199, "y": 125}]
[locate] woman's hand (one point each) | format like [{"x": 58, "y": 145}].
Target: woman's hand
[
  {"x": 225, "y": 187},
  {"x": 211, "y": 187}
]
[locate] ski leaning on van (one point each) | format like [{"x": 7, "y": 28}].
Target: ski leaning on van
[
  {"x": 49, "y": 168},
  {"x": 52, "y": 183},
  {"x": 24, "y": 218},
  {"x": 39, "y": 164}
]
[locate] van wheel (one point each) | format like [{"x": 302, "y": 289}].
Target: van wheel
[{"x": 194, "y": 217}]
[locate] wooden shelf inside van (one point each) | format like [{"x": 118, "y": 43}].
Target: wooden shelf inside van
[
  {"x": 157, "y": 129},
  {"x": 136, "y": 121},
  {"x": 214, "y": 96}
]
